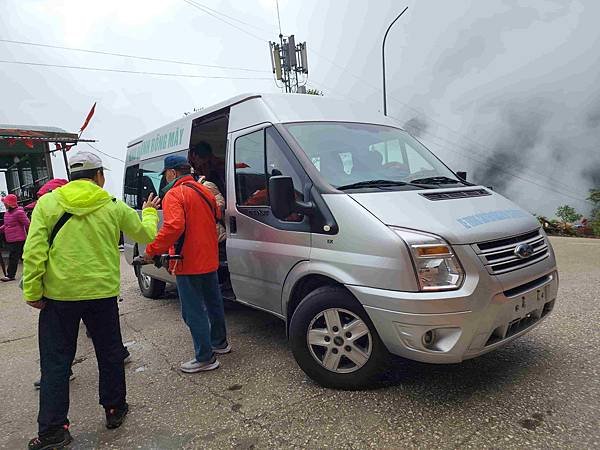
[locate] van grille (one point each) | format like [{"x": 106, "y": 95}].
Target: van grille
[
  {"x": 499, "y": 256},
  {"x": 436, "y": 196}
]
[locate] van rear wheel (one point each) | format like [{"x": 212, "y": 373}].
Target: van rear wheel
[
  {"x": 150, "y": 287},
  {"x": 333, "y": 340}
]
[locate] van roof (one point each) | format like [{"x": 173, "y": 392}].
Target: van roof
[{"x": 284, "y": 108}]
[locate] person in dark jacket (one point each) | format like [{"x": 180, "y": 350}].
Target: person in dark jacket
[{"x": 16, "y": 224}]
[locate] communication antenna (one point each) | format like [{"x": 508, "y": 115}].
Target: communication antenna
[{"x": 289, "y": 61}]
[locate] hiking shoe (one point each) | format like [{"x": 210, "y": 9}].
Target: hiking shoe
[
  {"x": 194, "y": 366},
  {"x": 116, "y": 416},
  {"x": 6, "y": 279},
  {"x": 223, "y": 350},
  {"x": 36, "y": 384},
  {"x": 59, "y": 439}
]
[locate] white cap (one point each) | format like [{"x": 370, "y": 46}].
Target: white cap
[{"x": 85, "y": 161}]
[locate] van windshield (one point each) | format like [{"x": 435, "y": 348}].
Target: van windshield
[{"x": 348, "y": 154}]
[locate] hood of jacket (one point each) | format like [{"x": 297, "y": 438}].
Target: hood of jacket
[{"x": 81, "y": 197}]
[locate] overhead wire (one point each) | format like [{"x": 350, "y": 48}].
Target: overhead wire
[
  {"x": 138, "y": 72},
  {"x": 210, "y": 13},
  {"x": 228, "y": 16},
  {"x": 123, "y": 55},
  {"x": 104, "y": 153},
  {"x": 368, "y": 84},
  {"x": 216, "y": 14}
]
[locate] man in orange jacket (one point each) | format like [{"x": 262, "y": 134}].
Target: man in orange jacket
[{"x": 189, "y": 216}]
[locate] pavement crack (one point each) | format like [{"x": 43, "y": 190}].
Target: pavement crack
[
  {"x": 8, "y": 341},
  {"x": 144, "y": 310}
]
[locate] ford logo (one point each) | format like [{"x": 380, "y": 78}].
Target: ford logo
[{"x": 523, "y": 251}]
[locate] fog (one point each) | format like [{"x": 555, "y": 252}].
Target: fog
[
  {"x": 507, "y": 90},
  {"x": 519, "y": 81}
]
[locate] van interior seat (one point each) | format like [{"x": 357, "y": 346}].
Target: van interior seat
[
  {"x": 331, "y": 167},
  {"x": 366, "y": 161}
]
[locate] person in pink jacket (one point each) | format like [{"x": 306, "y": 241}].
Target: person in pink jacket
[{"x": 16, "y": 225}]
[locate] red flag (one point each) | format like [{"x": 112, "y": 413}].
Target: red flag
[
  {"x": 88, "y": 118},
  {"x": 61, "y": 146}
]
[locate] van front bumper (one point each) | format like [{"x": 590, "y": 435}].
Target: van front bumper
[{"x": 444, "y": 327}]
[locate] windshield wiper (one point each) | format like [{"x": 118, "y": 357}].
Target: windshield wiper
[
  {"x": 436, "y": 180},
  {"x": 377, "y": 183}
]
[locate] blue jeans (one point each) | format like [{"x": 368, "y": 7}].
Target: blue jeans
[{"x": 202, "y": 311}]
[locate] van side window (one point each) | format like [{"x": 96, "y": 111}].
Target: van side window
[
  {"x": 250, "y": 180},
  {"x": 131, "y": 187},
  {"x": 278, "y": 164},
  {"x": 151, "y": 178}
]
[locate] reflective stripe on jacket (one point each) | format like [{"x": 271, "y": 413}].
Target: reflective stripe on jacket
[{"x": 84, "y": 260}]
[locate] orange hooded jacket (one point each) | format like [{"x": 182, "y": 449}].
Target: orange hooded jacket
[{"x": 185, "y": 210}]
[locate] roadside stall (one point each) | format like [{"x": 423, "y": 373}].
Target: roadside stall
[{"x": 26, "y": 162}]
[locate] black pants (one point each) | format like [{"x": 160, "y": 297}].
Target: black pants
[
  {"x": 223, "y": 271},
  {"x": 15, "y": 255},
  {"x": 58, "y": 329}
]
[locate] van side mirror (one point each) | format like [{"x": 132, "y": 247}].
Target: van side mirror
[
  {"x": 282, "y": 198},
  {"x": 462, "y": 175}
]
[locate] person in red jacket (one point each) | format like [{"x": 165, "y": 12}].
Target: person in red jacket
[
  {"x": 189, "y": 216},
  {"x": 16, "y": 224},
  {"x": 49, "y": 186}
]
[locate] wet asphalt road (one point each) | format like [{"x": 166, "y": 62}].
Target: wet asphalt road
[{"x": 541, "y": 391}]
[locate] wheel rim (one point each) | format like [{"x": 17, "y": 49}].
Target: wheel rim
[
  {"x": 145, "y": 280},
  {"x": 339, "y": 340}
]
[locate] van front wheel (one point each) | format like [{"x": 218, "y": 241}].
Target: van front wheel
[{"x": 333, "y": 340}]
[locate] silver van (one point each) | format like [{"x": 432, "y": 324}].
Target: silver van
[{"x": 357, "y": 236}]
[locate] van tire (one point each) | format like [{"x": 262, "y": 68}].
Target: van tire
[
  {"x": 310, "y": 315},
  {"x": 150, "y": 287}
]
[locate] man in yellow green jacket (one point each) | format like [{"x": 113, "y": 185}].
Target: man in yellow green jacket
[{"x": 71, "y": 272}]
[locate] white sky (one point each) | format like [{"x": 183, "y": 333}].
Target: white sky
[{"x": 460, "y": 62}]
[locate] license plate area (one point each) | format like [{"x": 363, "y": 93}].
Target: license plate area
[
  {"x": 519, "y": 313},
  {"x": 527, "y": 303}
]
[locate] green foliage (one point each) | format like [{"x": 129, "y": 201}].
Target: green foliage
[
  {"x": 568, "y": 214},
  {"x": 595, "y": 197},
  {"x": 595, "y": 216}
]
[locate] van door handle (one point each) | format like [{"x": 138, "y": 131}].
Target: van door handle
[{"x": 232, "y": 224}]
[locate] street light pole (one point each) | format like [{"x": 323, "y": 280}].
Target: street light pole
[{"x": 383, "y": 60}]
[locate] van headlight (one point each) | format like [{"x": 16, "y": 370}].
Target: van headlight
[{"x": 436, "y": 265}]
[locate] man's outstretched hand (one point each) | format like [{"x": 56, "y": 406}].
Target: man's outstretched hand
[{"x": 152, "y": 202}]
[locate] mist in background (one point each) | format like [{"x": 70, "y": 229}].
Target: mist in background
[
  {"x": 520, "y": 82},
  {"x": 507, "y": 90}
]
